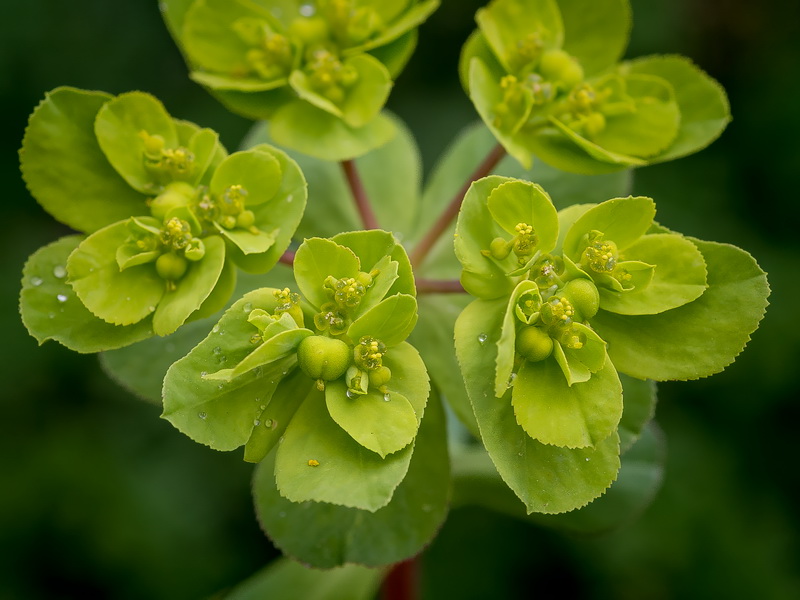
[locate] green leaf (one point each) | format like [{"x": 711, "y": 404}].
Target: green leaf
[
  {"x": 258, "y": 172},
  {"x": 576, "y": 416},
  {"x": 279, "y": 346},
  {"x": 211, "y": 412},
  {"x": 65, "y": 169},
  {"x": 700, "y": 338},
  {"x": 285, "y": 579},
  {"x": 174, "y": 14},
  {"x": 381, "y": 425},
  {"x": 310, "y": 130},
  {"x": 317, "y": 259},
  {"x": 391, "y": 321},
  {"x": 514, "y": 202},
  {"x": 51, "y": 310},
  {"x": 346, "y": 473},
  {"x": 702, "y": 101},
  {"x": 191, "y": 291},
  {"x": 343, "y": 535},
  {"x": 595, "y": 33},
  {"x": 578, "y": 365},
  {"x": 396, "y": 54},
  {"x": 547, "y": 479},
  {"x": 679, "y": 276},
  {"x": 118, "y": 126},
  {"x": 639, "y": 397},
  {"x": 621, "y": 220},
  {"x": 279, "y": 216},
  {"x": 505, "y": 23},
  {"x": 117, "y": 297},
  {"x": 414, "y": 16},
  {"x": 506, "y": 344}
]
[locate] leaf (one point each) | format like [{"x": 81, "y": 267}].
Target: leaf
[
  {"x": 414, "y": 16},
  {"x": 506, "y": 344},
  {"x": 279, "y": 346},
  {"x": 343, "y": 535},
  {"x": 118, "y": 128},
  {"x": 310, "y": 130},
  {"x": 117, "y": 297},
  {"x": 578, "y": 364},
  {"x": 679, "y": 276},
  {"x": 346, "y": 473},
  {"x": 621, "y": 220},
  {"x": 317, "y": 259},
  {"x": 547, "y": 479},
  {"x": 505, "y": 23},
  {"x": 517, "y": 202},
  {"x": 214, "y": 413},
  {"x": 51, "y": 310},
  {"x": 257, "y": 171},
  {"x": 702, "y": 101},
  {"x": 390, "y": 321},
  {"x": 65, "y": 169},
  {"x": 700, "y": 338},
  {"x": 383, "y": 426},
  {"x": 639, "y": 398},
  {"x": 553, "y": 412},
  {"x": 396, "y": 54},
  {"x": 595, "y": 33},
  {"x": 191, "y": 291},
  {"x": 285, "y": 579},
  {"x": 278, "y": 217}
]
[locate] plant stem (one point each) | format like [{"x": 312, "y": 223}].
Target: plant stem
[
  {"x": 402, "y": 582},
  {"x": 287, "y": 258},
  {"x": 446, "y": 218},
  {"x": 440, "y": 286},
  {"x": 359, "y": 195}
]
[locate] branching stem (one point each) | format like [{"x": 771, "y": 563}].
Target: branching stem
[
  {"x": 359, "y": 195},
  {"x": 287, "y": 258},
  {"x": 441, "y": 225},
  {"x": 440, "y": 286}
]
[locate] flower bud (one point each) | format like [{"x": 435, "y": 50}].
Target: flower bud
[
  {"x": 533, "y": 343},
  {"x": 323, "y": 357}
]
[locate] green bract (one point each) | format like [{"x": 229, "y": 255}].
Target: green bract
[
  {"x": 544, "y": 76},
  {"x": 167, "y": 212},
  {"x": 320, "y": 70},
  {"x": 564, "y": 302},
  {"x": 327, "y": 372}
]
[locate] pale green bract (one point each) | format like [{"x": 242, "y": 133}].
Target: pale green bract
[
  {"x": 565, "y": 300},
  {"x": 326, "y": 371},
  {"x": 169, "y": 216},
  {"x": 319, "y": 70},
  {"x": 544, "y": 77}
]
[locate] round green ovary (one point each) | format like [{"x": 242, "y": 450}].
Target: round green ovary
[
  {"x": 534, "y": 344},
  {"x": 584, "y": 296},
  {"x": 324, "y": 358}
]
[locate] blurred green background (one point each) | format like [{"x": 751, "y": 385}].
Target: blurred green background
[{"x": 102, "y": 499}]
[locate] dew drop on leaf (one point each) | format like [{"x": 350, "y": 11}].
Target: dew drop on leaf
[
  {"x": 263, "y": 406},
  {"x": 248, "y": 306},
  {"x": 386, "y": 397},
  {"x": 203, "y": 373},
  {"x": 215, "y": 329},
  {"x": 202, "y": 415},
  {"x": 351, "y": 395},
  {"x": 289, "y": 198},
  {"x": 216, "y": 351},
  {"x": 268, "y": 423},
  {"x": 482, "y": 338},
  {"x": 307, "y": 10},
  {"x": 61, "y": 298},
  {"x": 36, "y": 281},
  {"x": 59, "y": 272},
  {"x": 256, "y": 422}
]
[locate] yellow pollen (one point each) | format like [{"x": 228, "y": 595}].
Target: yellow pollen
[{"x": 313, "y": 463}]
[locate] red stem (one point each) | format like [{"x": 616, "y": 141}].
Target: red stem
[
  {"x": 446, "y": 218},
  {"x": 359, "y": 195},
  {"x": 440, "y": 286},
  {"x": 287, "y": 258},
  {"x": 402, "y": 582}
]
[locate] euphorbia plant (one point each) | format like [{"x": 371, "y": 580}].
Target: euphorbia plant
[{"x": 319, "y": 372}]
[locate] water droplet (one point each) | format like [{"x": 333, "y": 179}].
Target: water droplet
[
  {"x": 512, "y": 379},
  {"x": 256, "y": 422},
  {"x": 52, "y": 315},
  {"x": 220, "y": 386},
  {"x": 151, "y": 308},
  {"x": 127, "y": 298},
  {"x": 307, "y": 10},
  {"x": 59, "y": 272},
  {"x": 386, "y": 397},
  {"x": 216, "y": 351},
  {"x": 351, "y": 394},
  {"x": 289, "y": 198},
  {"x": 482, "y": 338},
  {"x": 587, "y": 460},
  {"x": 222, "y": 358},
  {"x": 268, "y": 423},
  {"x": 203, "y": 373},
  {"x": 36, "y": 281},
  {"x": 61, "y": 298},
  {"x": 215, "y": 329},
  {"x": 520, "y": 454},
  {"x": 282, "y": 515},
  {"x": 202, "y": 415},
  {"x": 248, "y": 306}
]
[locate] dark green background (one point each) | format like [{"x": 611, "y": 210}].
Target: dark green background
[{"x": 99, "y": 498}]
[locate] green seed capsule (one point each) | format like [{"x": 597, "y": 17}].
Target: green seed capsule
[
  {"x": 557, "y": 65},
  {"x": 171, "y": 267},
  {"x": 246, "y": 219},
  {"x": 534, "y": 344},
  {"x": 583, "y": 295},
  {"x": 324, "y": 358},
  {"x": 175, "y": 195},
  {"x": 380, "y": 377}
]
